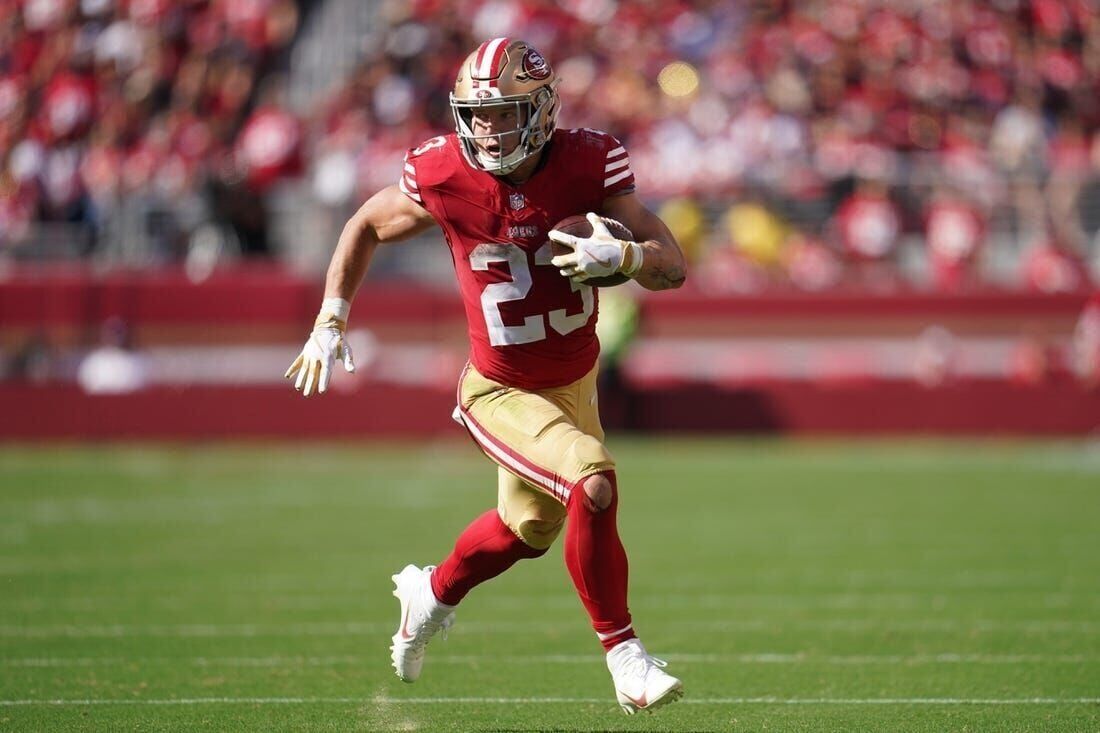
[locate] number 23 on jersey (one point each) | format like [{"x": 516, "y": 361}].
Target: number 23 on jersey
[{"x": 533, "y": 327}]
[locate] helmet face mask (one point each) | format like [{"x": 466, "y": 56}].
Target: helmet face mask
[{"x": 504, "y": 74}]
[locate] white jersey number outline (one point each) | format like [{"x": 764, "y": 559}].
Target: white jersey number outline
[
  {"x": 436, "y": 142},
  {"x": 533, "y": 328}
]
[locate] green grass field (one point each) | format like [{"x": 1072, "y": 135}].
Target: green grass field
[{"x": 922, "y": 586}]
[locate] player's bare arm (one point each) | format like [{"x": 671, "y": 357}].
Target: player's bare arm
[
  {"x": 663, "y": 265},
  {"x": 652, "y": 257},
  {"x": 387, "y": 216}
]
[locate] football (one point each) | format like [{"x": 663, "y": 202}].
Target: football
[{"x": 578, "y": 226}]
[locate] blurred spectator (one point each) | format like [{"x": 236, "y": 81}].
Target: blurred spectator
[
  {"x": 114, "y": 109},
  {"x": 1017, "y": 137},
  {"x": 755, "y": 232},
  {"x": 1034, "y": 359},
  {"x": 270, "y": 146},
  {"x": 936, "y": 357},
  {"x": 867, "y": 226},
  {"x": 35, "y": 361},
  {"x": 687, "y": 222},
  {"x": 105, "y": 103},
  {"x": 616, "y": 329},
  {"x": 811, "y": 265},
  {"x": 728, "y": 272},
  {"x": 1053, "y": 267},
  {"x": 1086, "y": 343},
  {"x": 1069, "y": 168},
  {"x": 954, "y": 231},
  {"x": 113, "y": 367},
  {"x": 867, "y": 223}
]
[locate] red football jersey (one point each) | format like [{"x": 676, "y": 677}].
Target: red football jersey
[{"x": 529, "y": 326}]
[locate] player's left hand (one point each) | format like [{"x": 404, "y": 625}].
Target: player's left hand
[{"x": 599, "y": 255}]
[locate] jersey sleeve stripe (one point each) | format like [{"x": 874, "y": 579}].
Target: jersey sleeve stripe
[
  {"x": 411, "y": 194},
  {"x": 616, "y": 178},
  {"x": 410, "y": 170},
  {"x": 410, "y": 183},
  {"x": 616, "y": 165},
  {"x": 616, "y": 152}
]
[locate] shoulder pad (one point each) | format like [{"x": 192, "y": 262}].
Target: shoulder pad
[
  {"x": 594, "y": 139},
  {"x": 433, "y": 161}
]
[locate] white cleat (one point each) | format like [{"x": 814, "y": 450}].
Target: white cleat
[
  {"x": 640, "y": 680},
  {"x": 422, "y": 615}
]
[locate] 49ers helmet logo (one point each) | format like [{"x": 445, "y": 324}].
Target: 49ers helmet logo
[{"x": 535, "y": 66}]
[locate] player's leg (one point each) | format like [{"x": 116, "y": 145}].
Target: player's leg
[
  {"x": 596, "y": 559},
  {"x": 597, "y": 562},
  {"x": 524, "y": 525},
  {"x": 594, "y": 554},
  {"x": 538, "y": 436}
]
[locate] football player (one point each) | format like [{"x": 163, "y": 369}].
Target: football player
[{"x": 496, "y": 187}]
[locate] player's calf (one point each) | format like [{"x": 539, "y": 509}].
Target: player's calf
[{"x": 595, "y": 557}]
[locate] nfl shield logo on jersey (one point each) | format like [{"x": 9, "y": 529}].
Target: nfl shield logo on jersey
[{"x": 517, "y": 201}]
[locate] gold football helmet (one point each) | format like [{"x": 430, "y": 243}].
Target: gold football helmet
[{"x": 504, "y": 72}]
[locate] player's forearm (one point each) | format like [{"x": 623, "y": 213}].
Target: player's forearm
[
  {"x": 663, "y": 266},
  {"x": 351, "y": 259}
]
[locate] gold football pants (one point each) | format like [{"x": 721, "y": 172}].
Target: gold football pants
[{"x": 544, "y": 442}]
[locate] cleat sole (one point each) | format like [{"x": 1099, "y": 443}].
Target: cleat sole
[
  {"x": 672, "y": 695},
  {"x": 668, "y": 698}
]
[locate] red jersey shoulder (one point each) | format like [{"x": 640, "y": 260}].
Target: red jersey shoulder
[
  {"x": 431, "y": 163},
  {"x": 585, "y": 143},
  {"x": 602, "y": 154}
]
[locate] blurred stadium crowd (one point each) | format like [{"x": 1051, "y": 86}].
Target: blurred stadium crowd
[{"x": 802, "y": 145}]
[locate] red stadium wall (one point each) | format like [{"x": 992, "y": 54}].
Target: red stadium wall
[
  {"x": 221, "y": 412},
  {"x": 994, "y": 408},
  {"x": 271, "y": 306}
]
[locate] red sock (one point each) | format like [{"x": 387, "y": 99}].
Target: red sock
[
  {"x": 484, "y": 550},
  {"x": 597, "y": 563}
]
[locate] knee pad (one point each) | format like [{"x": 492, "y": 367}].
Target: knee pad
[
  {"x": 539, "y": 534},
  {"x": 535, "y": 517},
  {"x": 535, "y": 524},
  {"x": 590, "y": 455}
]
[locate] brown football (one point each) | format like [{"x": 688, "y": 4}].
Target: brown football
[{"x": 578, "y": 226}]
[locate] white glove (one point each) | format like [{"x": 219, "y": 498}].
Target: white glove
[
  {"x": 325, "y": 345},
  {"x": 599, "y": 255}
]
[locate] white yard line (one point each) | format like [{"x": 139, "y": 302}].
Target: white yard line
[
  {"x": 739, "y": 602},
  {"x": 565, "y": 659},
  {"x": 555, "y": 700},
  {"x": 338, "y": 628}
]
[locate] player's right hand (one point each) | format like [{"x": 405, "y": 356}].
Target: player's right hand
[{"x": 326, "y": 344}]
